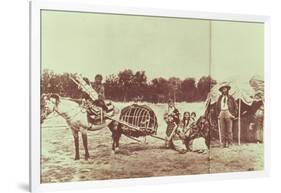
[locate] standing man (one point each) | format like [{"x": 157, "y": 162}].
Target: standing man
[{"x": 227, "y": 111}]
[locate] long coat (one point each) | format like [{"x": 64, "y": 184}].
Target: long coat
[{"x": 232, "y": 105}]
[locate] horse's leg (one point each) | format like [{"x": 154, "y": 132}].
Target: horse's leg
[
  {"x": 85, "y": 143},
  {"x": 117, "y": 142},
  {"x": 113, "y": 144},
  {"x": 113, "y": 126},
  {"x": 76, "y": 143}
]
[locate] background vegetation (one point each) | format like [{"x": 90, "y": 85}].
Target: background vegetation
[{"x": 131, "y": 86}]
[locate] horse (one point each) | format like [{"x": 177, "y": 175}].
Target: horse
[
  {"x": 75, "y": 116},
  {"x": 200, "y": 129}
]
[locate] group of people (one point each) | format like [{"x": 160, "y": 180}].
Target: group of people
[
  {"x": 172, "y": 118},
  {"x": 186, "y": 131},
  {"x": 227, "y": 109},
  {"x": 186, "y": 128},
  {"x": 190, "y": 131}
]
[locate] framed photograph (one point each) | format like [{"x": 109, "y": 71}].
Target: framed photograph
[{"x": 123, "y": 96}]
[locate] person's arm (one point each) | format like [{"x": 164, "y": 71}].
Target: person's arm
[
  {"x": 218, "y": 105},
  {"x": 101, "y": 93},
  {"x": 235, "y": 105}
]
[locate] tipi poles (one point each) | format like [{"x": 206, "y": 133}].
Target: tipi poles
[{"x": 239, "y": 121}]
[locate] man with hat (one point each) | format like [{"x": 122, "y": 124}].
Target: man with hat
[{"x": 227, "y": 111}]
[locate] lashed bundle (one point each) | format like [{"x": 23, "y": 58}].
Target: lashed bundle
[{"x": 140, "y": 120}]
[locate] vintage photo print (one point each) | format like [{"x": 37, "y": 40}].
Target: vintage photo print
[{"x": 130, "y": 96}]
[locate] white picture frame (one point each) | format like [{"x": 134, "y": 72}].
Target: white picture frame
[{"x": 37, "y": 6}]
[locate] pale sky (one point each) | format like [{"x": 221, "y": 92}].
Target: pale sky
[
  {"x": 90, "y": 43},
  {"x": 237, "y": 50}
]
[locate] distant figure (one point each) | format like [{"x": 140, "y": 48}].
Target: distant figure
[
  {"x": 172, "y": 137},
  {"x": 172, "y": 118},
  {"x": 185, "y": 122},
  {"x": 171, "y": 125},
  {"x": 227, "y": 110},
  {"x": 185, "y": 129},
  {"x": 98, "y": 87},
  {"x": 259, "y": 119},
  {"x": 95, "y": 107},
  {"x": 173, "y": 111},
  {"x": 192, "y": 118}
]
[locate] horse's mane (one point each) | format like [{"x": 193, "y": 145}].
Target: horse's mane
[
  {"x": 68, "y": 102},
  {"x": 197, "y": 123}
]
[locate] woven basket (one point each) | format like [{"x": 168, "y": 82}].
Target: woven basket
[{"x": 140, "y": 120}]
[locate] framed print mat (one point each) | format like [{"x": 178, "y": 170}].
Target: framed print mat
[{"x": 142, "y": 96}]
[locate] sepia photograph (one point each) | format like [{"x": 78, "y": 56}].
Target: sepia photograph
[{"x": 134, "y": 96}]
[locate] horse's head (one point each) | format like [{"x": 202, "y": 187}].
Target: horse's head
[
  {"x": 202, "y": 122},
  {"x": 203, "y": 126},
  {"x": 49, "y": 104}
]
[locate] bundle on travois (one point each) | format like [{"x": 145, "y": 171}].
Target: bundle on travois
[{"x": 138, "y": 120}]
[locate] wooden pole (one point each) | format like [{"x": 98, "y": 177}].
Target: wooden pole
[
  {"x": 219, "y": 127},
  {"x": 157, "y": 137},
  {"x": 122, "y": 122},
  {"x": 173, "y": 133},
  {"x": 133, "y": 138},
  {"x": 239, "y": 120}
]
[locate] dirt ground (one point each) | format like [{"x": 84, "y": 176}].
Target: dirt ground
[{"x": 134, "y": 160}]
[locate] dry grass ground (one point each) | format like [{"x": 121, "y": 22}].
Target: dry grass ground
[{"x": 135, "y": 160}]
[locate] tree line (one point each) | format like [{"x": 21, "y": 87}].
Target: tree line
[{"x": 132, "y": 86}]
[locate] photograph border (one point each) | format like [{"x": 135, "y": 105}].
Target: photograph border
[{"x": 34, "y": 80}]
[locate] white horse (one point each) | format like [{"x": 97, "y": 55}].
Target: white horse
[{"x": 75, "y": 116}]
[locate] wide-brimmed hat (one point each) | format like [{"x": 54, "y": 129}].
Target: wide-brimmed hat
[{"x": 224, "y": 86}]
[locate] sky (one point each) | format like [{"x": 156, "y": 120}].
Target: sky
[
  {"x": 237, "y": 50},
  {"x": 90, "y": 43}
]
